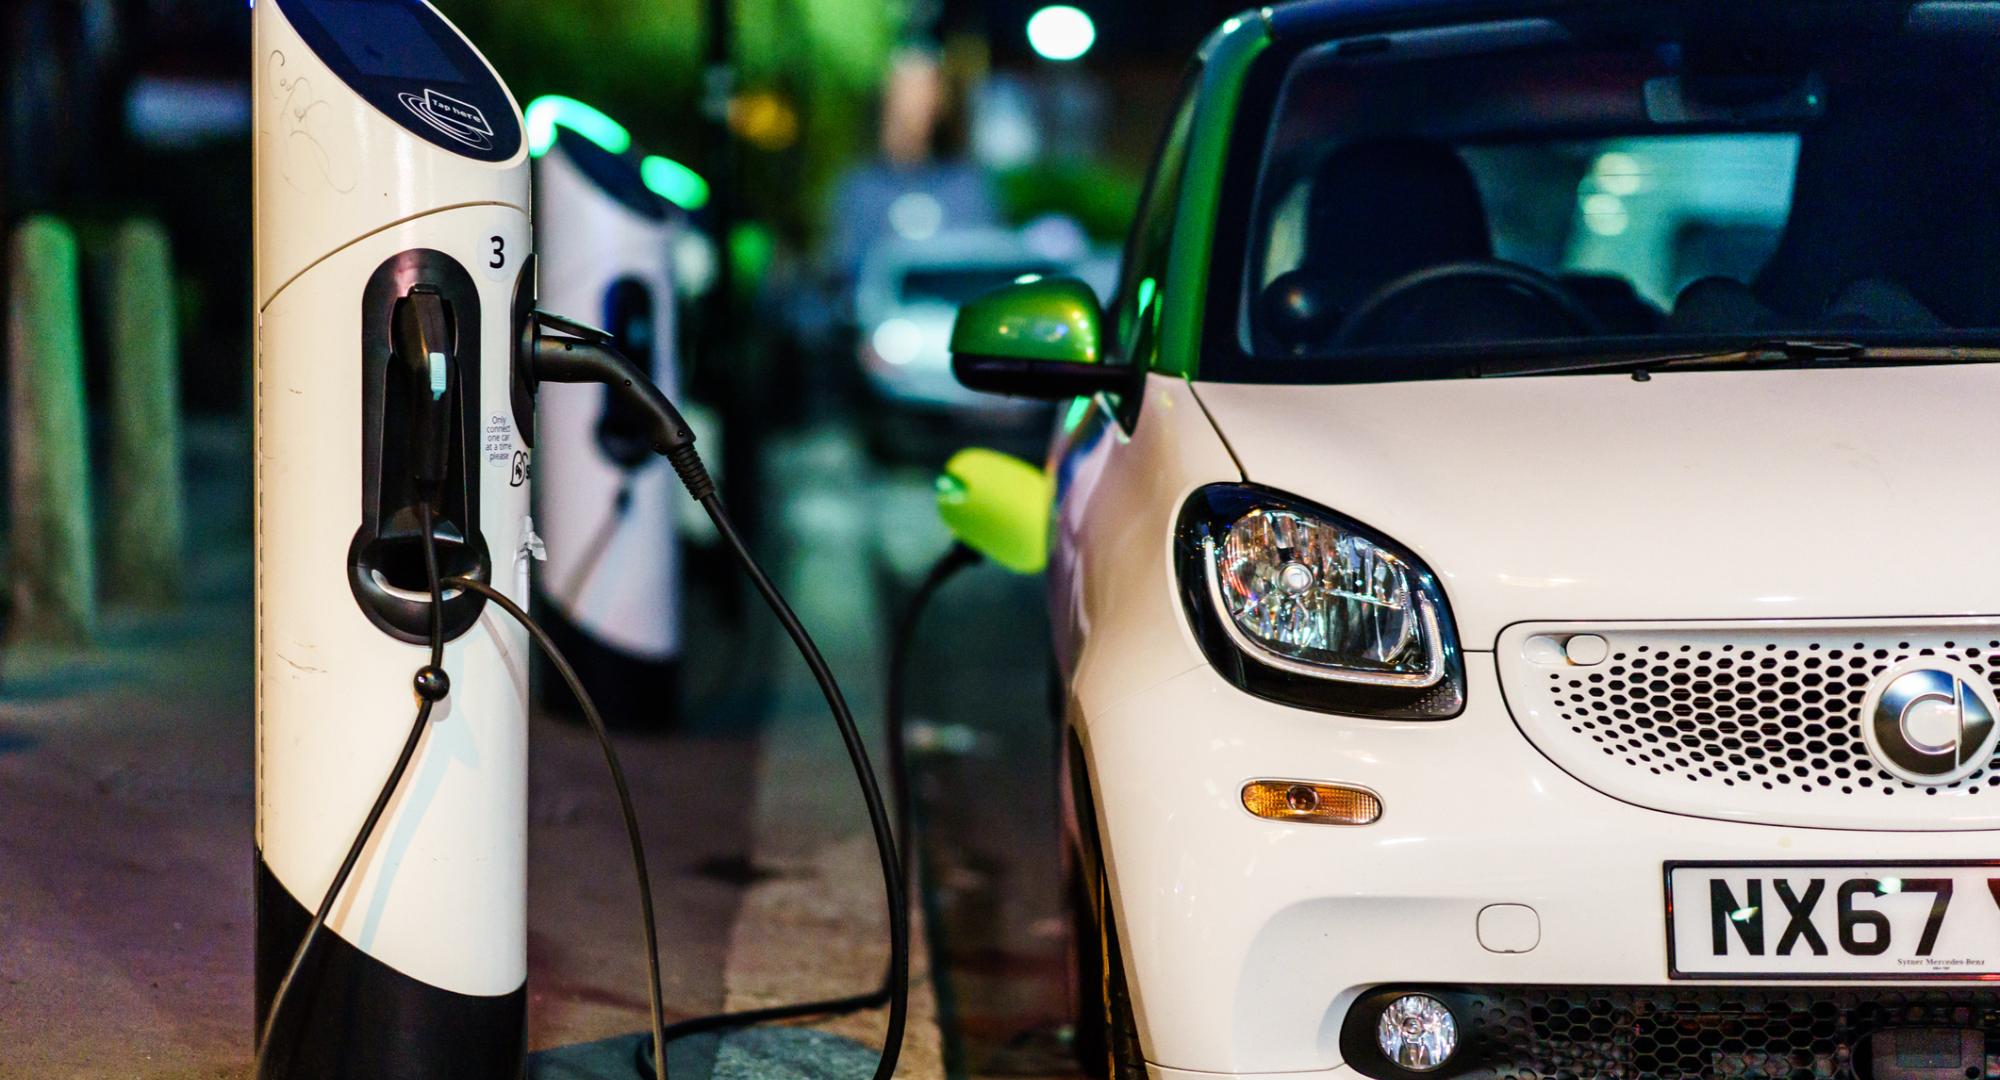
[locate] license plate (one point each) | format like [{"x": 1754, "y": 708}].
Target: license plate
[{"x": 1814, "y": 920}]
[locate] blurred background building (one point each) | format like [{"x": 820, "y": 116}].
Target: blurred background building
[{"x": 827, "y": 128}]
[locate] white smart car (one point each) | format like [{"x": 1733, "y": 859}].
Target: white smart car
[{"x": 1525, "y": 568}]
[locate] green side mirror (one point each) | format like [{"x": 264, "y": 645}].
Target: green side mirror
[
  {"x": 1042, "y": 338},
  {"x": 997, "y": 505}
]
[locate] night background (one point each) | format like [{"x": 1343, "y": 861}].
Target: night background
[
  {"x": 1316, "y": 559},
  {"x": 125, "y": 738},
  {"x": 117, "y": 108}
]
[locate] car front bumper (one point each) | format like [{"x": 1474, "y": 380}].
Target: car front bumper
[{"x": 1247, "y": 941}]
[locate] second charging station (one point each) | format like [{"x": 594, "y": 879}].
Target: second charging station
[{"x": 607, "y": 505}]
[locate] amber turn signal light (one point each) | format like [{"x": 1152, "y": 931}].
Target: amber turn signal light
[{"x": 1317, "y": 804}]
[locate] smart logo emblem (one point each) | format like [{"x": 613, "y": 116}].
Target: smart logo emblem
[
  {"x": 1929, "y": 721},
  {"x": 459, "y": 119}
]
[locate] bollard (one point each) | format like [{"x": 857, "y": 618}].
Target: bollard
[
  {"x": 49, "y": 468},
  {"x": 143, "y": 551}
]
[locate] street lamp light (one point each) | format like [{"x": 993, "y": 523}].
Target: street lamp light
[{"x": 1061, "y": 32}]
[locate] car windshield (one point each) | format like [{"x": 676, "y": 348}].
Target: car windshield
[{"x": 1622, "y": 182}]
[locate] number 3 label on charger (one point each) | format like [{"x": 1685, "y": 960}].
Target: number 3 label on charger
[{"x": 499, "y": 254}]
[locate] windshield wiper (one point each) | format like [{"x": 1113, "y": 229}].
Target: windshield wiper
[{"x": 1777, "y": 352}]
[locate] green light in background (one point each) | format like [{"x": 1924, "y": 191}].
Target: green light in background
[
  {"x": 546, "y": 113},
  {"x": 752, "y": 247},
  {"x": 674, "y": 182},
  {"x": 1061, "y": 32},
  {"x": 1148, "y": 289}
]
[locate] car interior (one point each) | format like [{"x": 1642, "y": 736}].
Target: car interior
[{"x": 1568, "y": 181}]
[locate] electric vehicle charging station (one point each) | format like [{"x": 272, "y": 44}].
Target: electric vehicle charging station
[
  {"x": 392, "y": 248},
  {"x": 611, "y": 589},
  {"x": 399, "y": 354}
]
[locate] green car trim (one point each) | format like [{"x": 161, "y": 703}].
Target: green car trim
[
  {"x": 1226, "y": 59},
  {"x": 1049, "y": 319}
]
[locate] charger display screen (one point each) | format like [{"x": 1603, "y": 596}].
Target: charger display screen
[
  {"x": 384, "y": 39},
  {"x": 406, "y": 61}
]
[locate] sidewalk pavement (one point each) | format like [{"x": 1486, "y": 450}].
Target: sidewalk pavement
[{"x": 125, "y": 849}]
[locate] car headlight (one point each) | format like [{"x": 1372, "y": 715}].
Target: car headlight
[{"x": 1298, "y": 604}]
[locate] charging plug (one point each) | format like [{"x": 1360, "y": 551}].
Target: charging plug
[
  {"x": 576, "y": 353},
  {"x": 424, "y": 351}
]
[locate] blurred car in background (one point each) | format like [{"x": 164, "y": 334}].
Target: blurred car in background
[{"x": 905, "y": 299}]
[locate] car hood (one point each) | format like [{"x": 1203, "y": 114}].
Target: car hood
[{"x": 1831, "y": 493}]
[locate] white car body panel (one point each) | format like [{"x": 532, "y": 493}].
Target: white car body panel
[
  {"x": 1720, "y": 496},
  {"x": 1695, "y": 495},
  {"x": 1118, "y": 631},
  {"x": 1244, "y": 939}
]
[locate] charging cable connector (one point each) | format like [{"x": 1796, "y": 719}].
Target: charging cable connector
[{"x": 576, "y": 353}]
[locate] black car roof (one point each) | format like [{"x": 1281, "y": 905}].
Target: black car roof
[{"x": 1321, "y": 18}]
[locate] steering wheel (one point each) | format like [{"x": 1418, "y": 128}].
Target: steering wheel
[{"x": 1367, "y": 323}]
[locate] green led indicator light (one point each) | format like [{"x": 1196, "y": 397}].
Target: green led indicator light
[
  {"x": 674, "y": 182},
  {"x": 546, "y": 113}
]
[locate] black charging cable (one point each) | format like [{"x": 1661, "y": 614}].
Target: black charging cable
[
  {"x": 583, "y": 354},
  {"x": 894, "y": 704},
  {"x": 596, "y": 720},
  {"x": 895, "y": 989},
  {"x": 895, "y": 880},
  {"x": 432, "y": 685},
  {"x": 896, "y": 738}
]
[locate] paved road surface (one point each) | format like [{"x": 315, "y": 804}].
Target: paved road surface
[
  {"x": 125, "y": 793},
  {"x": 125, "y": 854}
]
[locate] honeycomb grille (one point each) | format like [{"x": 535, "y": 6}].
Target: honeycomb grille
[
  {"x": 1752, "y": 724},
  {"x": 1588, "y": 1033}
]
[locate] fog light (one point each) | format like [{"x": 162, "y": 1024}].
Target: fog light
[
  {"x": 1324, "y": 804},
  {"x": 1417, "y": 1032}
]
